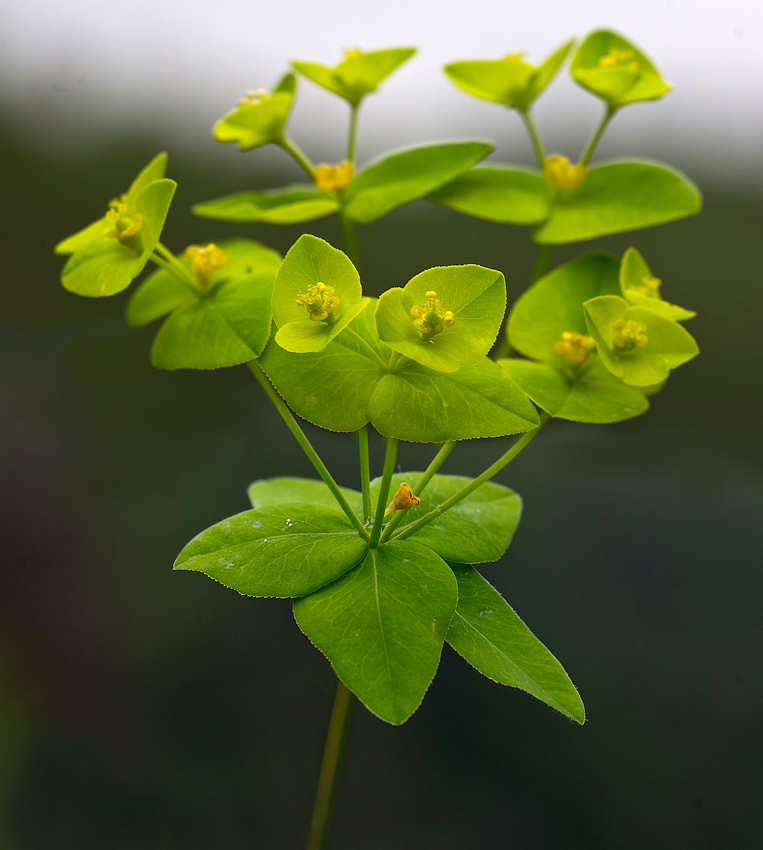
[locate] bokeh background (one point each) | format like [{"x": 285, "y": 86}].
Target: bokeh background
[{"x": 141, "y": 709}]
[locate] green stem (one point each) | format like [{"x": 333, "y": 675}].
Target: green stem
[
  {"x": 381, "y": 505},
  {"x": 349, "y": 238},
  {"x": 420, "y": 486},
  {"x": 534, "y": 137},
  {"x": 591, "y": 147},
  {"x": 365, "y": 345},
  {"x": 331, "y": 767},
  {"x": 170, "y": 268},
  {"x": 292, "y": 148},
  {"x": 301, "y": 437},
  {"x": 542, "y": 262},
  {"x": 365, "y": 472},
  {"x": 177, "y": 268},
  {"x": 352, "y": 138},
  {"x": 473, "y": 485}
]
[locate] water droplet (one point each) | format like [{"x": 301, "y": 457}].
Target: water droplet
[
  {"x": 256, "y": 524},
  {"x": 406, "y": 561}
]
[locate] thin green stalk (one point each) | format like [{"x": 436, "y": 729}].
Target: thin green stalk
[
  {"x": 365, "y": 345},
  {"x": 420, "y": 486},
  {"x": 353, "y": 134},
  {"x": 331, "y": 767},
  {"x": 491, "y": 471},
  {"x": 591, "y": 147},
  {"x": 178, "y": 269},
  {"x": 381, "y": 505},
  {"x": 365, "y": 471},
  {"x": 301, "y": 437},
  {"x": 542, "y": 262},
  {"x": 534, "y": 137},
  {"x": 292, "y": 148},
  {"x": 170, "y": 268},
  {"x": 349, "y": 240}
]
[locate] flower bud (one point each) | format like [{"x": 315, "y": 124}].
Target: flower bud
[
  {"x": 574, "y": 347},
  {"x": 559, "y": 171},
  {"x": 402, "y": 500},
  {"x": 628, "y": 334},
  {"x": 205, "y": 262},
  {"x": 333, "y": 178}
]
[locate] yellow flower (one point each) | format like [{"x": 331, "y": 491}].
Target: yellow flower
[
  {"x": 559, "y": 170},
  {"x": 430, "y": 318},
  {"x": 333, "y": 178}
]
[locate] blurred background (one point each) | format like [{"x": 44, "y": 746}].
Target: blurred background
[{"x": 142, "y": 709}]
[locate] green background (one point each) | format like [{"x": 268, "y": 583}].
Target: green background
[{"x": 145, "y": 709}]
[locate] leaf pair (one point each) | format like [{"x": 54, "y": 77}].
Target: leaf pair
[
  {"x": 381, "y": 616},
  {"x": 110, "y": 253}
]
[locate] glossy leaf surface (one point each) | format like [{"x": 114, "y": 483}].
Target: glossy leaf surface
[
  {"x": 509, "y": 194},
  {"x": 283, "y": 550},
  {"x": 616, "y": 196},
  {"x": 477, "y": 529},
  {"x": 589, "y": 394},
  {"x": 492, "y": 638},
  {"x": 288, "y": 205},
  {"x": 306, "y": 491},
  {"x": 476, "y": 297},
  {"x": 404, "y": 176},
  {"x": 383, "y": 624}
]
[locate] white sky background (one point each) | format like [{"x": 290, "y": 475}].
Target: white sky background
[{"x": 74, "y": 73}]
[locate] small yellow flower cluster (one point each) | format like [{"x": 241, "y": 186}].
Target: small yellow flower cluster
[
  {"x": 514, "y": 57},
  {"x": 333, "y": 178},
  {"x": 619, "y": 59},
  {"x": 431, "y": 317},
  {"x": 126, "y": 227},
  {"x": 351, "y": 52},
  {"x": 320, "y": 300},
  {"x": 628, "y": 334},
  {"x": 205, "y": 262},
  {"x": 574, "y": 347},
  {"x": 649, "y": 287},
  {"x": 557, "y": 169},
  {"x": 402, "y": 500},
  {"x": 253, "y": 96}
]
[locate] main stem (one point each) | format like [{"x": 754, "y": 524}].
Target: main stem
[
  {"x": 491, "y": 471},
  {"x": 331, "y": 767},
  {"x": 301, "y": 437},
  {"x": 365, "y": 471}
]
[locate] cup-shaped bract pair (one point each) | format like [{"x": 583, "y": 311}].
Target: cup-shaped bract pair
[
  {"x": 317, "y": 294},
  {"x": 110, "y": 253},
  {"x": 444, "y": 318},
  {"x": 640, "y": 288},
  {"x": 637, "y": 344},
  {"x": 609, "y": 66},
  {"x": 358, "y": 74},
  {"x": 260, "y": 117},
  {"x": 511, "y": 81}
]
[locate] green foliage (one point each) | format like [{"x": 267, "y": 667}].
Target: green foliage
[
  {"x": 383, "y": 576},
  {"x": 510, "y": 81},
  {"x": 358, "y": 74},
  {"x": 615, "y": 70},
  {"x": 260, "y": 118}
]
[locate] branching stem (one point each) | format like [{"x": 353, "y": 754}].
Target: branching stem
[
  {"x": 389, "y": 467},
  {"x": 598, "y": 132},
  {"x": 301, "y": 437}
]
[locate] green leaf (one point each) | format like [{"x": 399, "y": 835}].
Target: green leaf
[
  {"x": 358, "y": 74},
  {"x": 506, "y": 193},
  {"x": 554, "y": 304},
  {"x": 641, "y": 289},
  {"x": 479, "y": 528},
  {"x": 260, "y": 119},
  {"x": 281, "y": 550},
  {"x": 616, "y": 196},
  {"x": 382, "y": 626},
  {"x": 422, "y": 406},
  {"x": 588, "y": 394},
  {"x": 162, "y": 292},
  {"x": 406, "y": 175},
  {"x": 312, "y": 262},
  {"x": 101, "y": 265},
  {"x": 666, "y": 344},
  {"x": 305, "y": 491},
  {"x": 476, "y": 297},
  {"x": 510, "y": 80},
  {"x": 288, "y": 205},
  {"x": 331, "y": 388},
  {"x": 615, "y": 70},
  {"x": 490, "y": 636}
]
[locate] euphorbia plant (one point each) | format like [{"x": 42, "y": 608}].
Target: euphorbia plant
[{"x": 384, "y": 575}]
